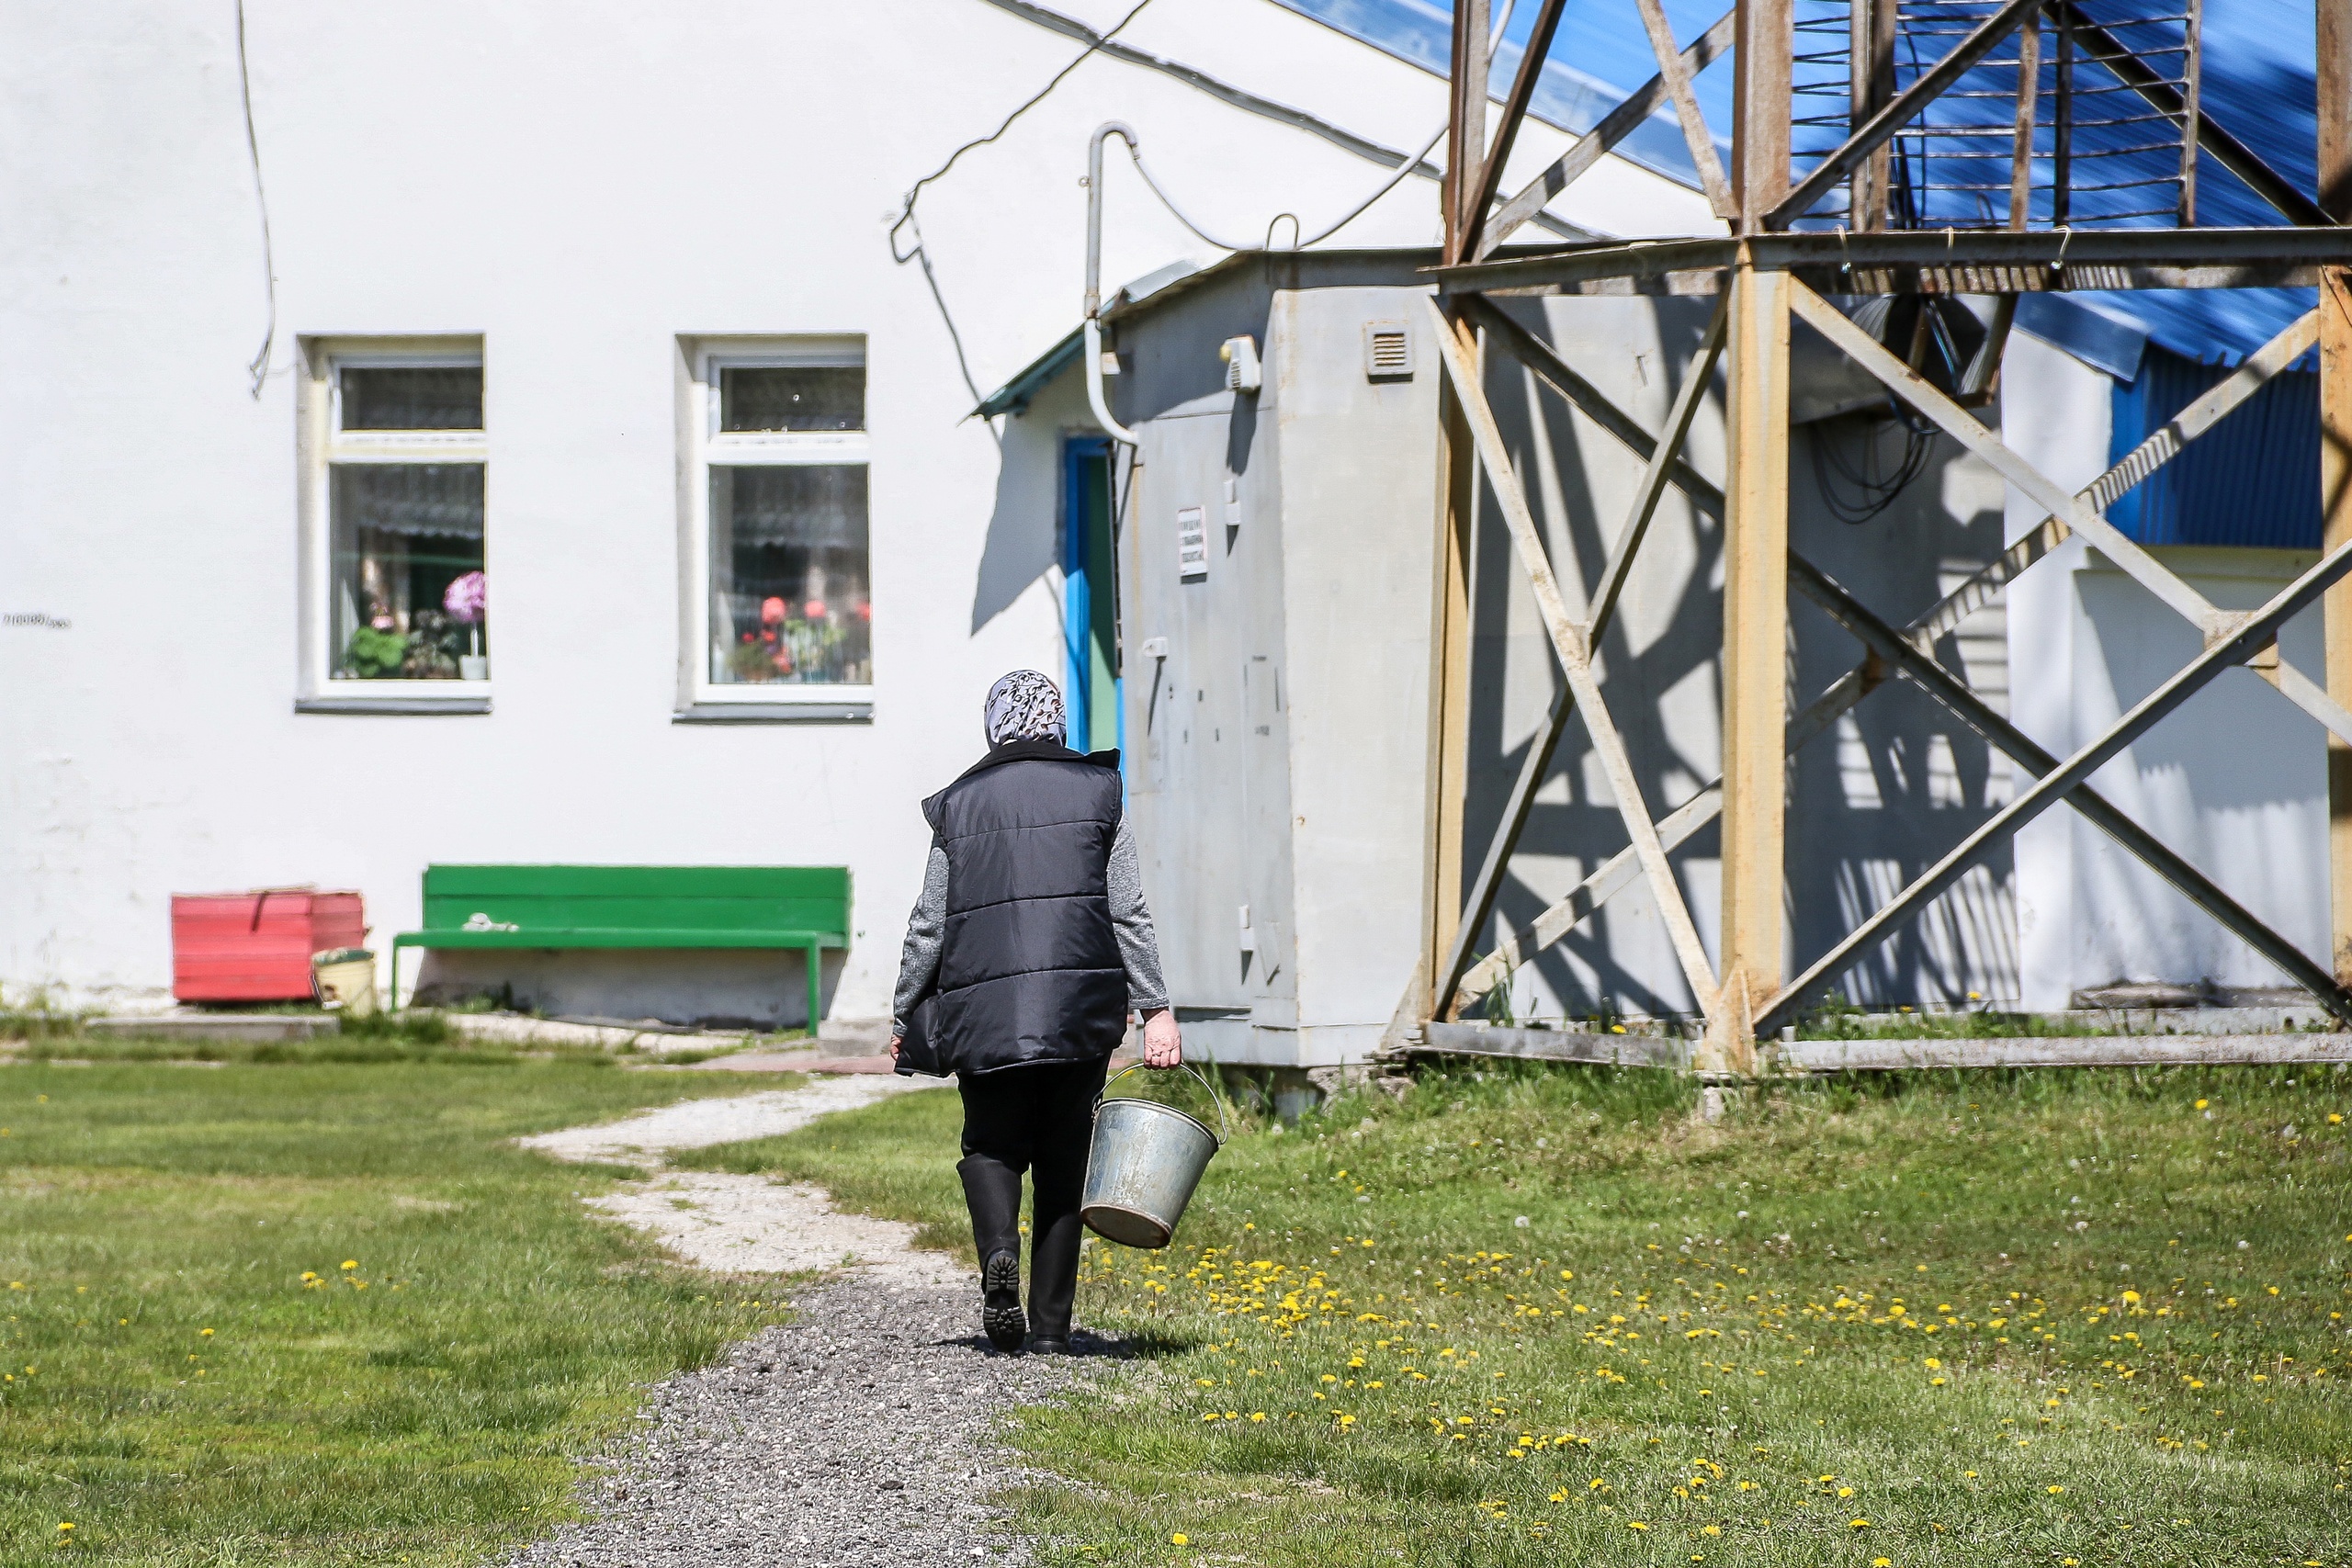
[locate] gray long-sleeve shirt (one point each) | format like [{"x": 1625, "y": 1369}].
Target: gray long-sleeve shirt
[{"x": 1139, "y": 944}]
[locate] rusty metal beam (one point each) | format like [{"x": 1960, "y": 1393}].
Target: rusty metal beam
[
  {"x": 1762, "y": 67},
  {"x": 2281, "y": 193},
  {"x": 1465, "y": 134},
  {"x": 1931, "y": 84},
  {"x": 2333, "y": 40},
  {"x": 1978, "y": 262},
  {"x": 1594, "y": 144},
  {"x": 1695, "y": 134},
  {"x": 1522, "y": 91}
]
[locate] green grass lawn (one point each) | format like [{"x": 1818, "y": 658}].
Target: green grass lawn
[
  {"x": 319, "y": 1313},
  {"x": 1529, "y": 1316}
]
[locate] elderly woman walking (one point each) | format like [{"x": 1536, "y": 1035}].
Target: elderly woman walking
[{"x": 1028, "y": 950}]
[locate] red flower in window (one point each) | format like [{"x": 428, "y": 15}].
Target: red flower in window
[
  {"x": 771, "y": 610},
  {"x": 749, "y": 638},
  {"x": 814, "y": 610},
  {"x": 864, "y": 610}
]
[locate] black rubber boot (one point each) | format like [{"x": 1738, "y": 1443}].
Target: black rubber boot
[
  {"x": 992, "y": 1191},
  {"x": 1056, "y": 1232}
]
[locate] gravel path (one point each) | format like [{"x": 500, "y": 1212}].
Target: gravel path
[{"x": 861, "y": 1432}]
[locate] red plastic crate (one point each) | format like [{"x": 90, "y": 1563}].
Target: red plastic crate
[{"x": 257, "y": 946}]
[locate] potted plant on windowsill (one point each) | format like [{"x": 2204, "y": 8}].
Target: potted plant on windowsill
[{"x": 466, "y": 600}]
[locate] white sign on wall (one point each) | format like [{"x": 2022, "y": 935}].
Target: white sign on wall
[{"x": 1192, "y": 544}]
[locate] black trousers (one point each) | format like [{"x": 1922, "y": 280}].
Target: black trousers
[{"x": 1037, "y": 1120}]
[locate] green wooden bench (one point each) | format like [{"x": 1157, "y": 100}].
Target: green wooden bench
[{"x": 548, "y": 907}]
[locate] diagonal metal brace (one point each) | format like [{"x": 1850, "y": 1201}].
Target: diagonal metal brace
[
  {"x": 1657, "y": 470},
  {"x": 1906, "y": 654},
  {"x": 1593, "y": 145},
  {"x": 1568, "y": 643},
  {"x": 2253, "y": 633}
]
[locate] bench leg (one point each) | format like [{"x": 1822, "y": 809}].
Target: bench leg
[{"x": 816, "y": 987}]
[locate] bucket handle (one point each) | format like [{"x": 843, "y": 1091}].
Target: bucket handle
[{"x": 1225, "y": 1131}]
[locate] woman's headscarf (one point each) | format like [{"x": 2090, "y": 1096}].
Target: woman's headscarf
[{"x": 1026, "y": 705}]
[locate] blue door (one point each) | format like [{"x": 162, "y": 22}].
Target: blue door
[{"x": 1090, "y": 596}]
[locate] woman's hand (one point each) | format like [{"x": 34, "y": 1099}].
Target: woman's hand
[
  {"x": 895, "y": 1039},
  {"x": 1163, "y": 1044}
]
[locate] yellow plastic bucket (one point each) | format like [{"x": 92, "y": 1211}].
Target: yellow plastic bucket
[{"x": 344, "y": 979}]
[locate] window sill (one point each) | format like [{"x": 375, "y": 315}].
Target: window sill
[
  {"x": 391, "y": 703},
  {"x": 774, "y": 713}
]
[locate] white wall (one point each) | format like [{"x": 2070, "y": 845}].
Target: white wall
[
  {"x": 580, "y": 186},
  {"x": 2234, "y": 781}
]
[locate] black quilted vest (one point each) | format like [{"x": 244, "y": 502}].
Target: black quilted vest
[{"x": 1029, "y": 967}]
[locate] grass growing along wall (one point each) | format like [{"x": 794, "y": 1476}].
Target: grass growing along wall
[
  {"x": 1541, "y": 1315},
  {"x": 319, "y": 1313}
]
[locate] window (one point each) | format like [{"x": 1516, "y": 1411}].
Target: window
[
  {"x": 779, "y": 622},
  {"x": 394, "y": 473}
]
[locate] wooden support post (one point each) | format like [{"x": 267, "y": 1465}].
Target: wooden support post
[
  {"x": 2334, "y": 58},
  {"x": 1449, "y": 737},
  {"x": 1756, "y": 622}
]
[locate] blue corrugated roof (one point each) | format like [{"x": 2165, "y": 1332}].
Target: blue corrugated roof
[
  {"x": 2258, "y": 80},
  {"x": 2252, "y": 481}
]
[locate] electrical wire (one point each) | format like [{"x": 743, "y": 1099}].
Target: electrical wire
[
  {"x": 906, "y": 222},
  {"x": 1298, "y": 241},
  {"x": 258, "y": 368},
  {"x": 1869, "y": 486},
  {"x": 914, "y": 192}
]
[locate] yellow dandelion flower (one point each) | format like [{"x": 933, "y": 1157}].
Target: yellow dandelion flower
[
  {"x": 1858, "y": 1523},
  {"x": 1180, "y": 1539},
  {"x": 1634, "y": 1524},
  {"x": 2055, "y": 1490}
]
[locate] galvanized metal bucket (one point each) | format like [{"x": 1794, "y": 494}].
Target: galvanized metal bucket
[{"x": 1144, "y": 1161}]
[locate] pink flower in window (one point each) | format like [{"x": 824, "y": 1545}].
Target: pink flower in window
[
  {"x": 771, "y": 612},
  {"x": 466, "y": 598},
  {"x": 864, "y": 610},
  {"x": 814, "y": 610}
]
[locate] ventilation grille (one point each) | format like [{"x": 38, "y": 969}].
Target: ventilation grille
[{"x": 1387, "y": 350}]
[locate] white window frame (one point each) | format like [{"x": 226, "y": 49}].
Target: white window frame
[
  {"x": 321, "y": 443},
  {"x": 702, "y": 445}
]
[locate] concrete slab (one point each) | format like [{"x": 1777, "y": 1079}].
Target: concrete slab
[{"x": 244, "y": 1026}]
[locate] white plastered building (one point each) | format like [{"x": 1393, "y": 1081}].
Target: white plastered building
[{"x": 536, "y": 241}]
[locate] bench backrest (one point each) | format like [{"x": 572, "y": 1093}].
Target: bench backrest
[{"x": 640, "y": 897}]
